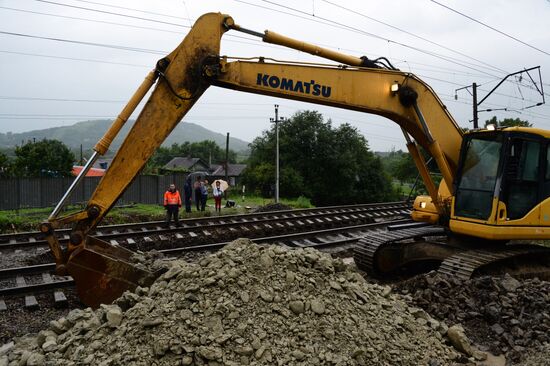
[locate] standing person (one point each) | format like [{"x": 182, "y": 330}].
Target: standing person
[
  {"x": 198, "y": 194},
  {"x": 172, "y": 203},
  {"x": 204, "y": 194},
  {"x": 187, "y": 194},
  {"x": 217, "y": 192}
]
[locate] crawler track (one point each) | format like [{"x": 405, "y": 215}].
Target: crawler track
[{"x": 419, "y": 249}]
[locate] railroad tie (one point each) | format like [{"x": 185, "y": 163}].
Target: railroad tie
[
  {"x": 131, "y": 243},
  {"x": 60, "y": 299},
  {"x": 30, "y": 300}
]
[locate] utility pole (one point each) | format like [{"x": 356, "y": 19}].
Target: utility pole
[
  {"x": 276, "y": 121},
  {"x": 474, "y": 96},
  {"x": 227, "y": 158}
]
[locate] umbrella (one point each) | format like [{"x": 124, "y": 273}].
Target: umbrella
[{"x": 223, "y": 184}]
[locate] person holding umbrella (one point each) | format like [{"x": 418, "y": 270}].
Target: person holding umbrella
[{"x": 217, "y": 192}]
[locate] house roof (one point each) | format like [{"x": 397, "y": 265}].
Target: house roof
[
  {"x": 184, "y": 163},
  {"x": 93, "y": 172},
  {"x": 233, "y": 170}
]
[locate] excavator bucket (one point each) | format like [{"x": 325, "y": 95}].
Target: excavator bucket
[{"x": 102, "y": 272}]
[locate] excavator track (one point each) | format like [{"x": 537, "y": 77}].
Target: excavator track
[
  {"x": 468, "y": 263},
  {"x": 369, "y": 247},
  {"x": 385, "y": 252}
]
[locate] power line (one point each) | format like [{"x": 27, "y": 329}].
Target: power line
[
  {"x": 73, "y": 58},
  {"x": 87, "y": 20},
  {"x": 149, "y": 28},
  {"x": 113, "y": 13},
  {"x": 360, "y": 31},
  {"x": 445, "y": 58},
  {"x": 412, "y": 34},
  {"x": 490, "y": 27},
  {"x": 7, "y": 97},
  {"x": 133, "y": 9},
  {"x": 253, "y": 40},
  {"x": 133, "y": 49}
]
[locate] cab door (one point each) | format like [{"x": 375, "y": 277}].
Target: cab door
[{"x": 523, "y": 180}]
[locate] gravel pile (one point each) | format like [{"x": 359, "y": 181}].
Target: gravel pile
[
  {"x": 501, "y": 314},
  {"x": 245, "y": 304},
  {"x": 273, "y": 207}
]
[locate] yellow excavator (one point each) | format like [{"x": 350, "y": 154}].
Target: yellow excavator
[{"x": 494, "y": 188}]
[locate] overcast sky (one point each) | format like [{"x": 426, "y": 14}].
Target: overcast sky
[{"x": 445, "y": 49}]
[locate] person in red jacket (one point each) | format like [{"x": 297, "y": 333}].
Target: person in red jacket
[{"x": 172, "y": 203}]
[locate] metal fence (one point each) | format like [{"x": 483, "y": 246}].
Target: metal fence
[{"x": 17, "y": 193}]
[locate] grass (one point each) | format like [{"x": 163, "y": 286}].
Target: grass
[{"x": 28, "y": 219}]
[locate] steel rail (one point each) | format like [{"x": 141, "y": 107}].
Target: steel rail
[
  {"x": 114, "y": 231},
  {"x": 331, "y": 243}
]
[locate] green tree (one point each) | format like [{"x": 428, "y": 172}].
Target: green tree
[
  {"x": 5, "y": 165},
  {"x": 507, "y": 122},
  {"x": 405, "y": 170},
  {"x": 329, "y": 165},
  {"x": 43, "y": 158}
]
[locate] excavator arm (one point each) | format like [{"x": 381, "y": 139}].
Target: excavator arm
[{"x": 102, "y": 272}]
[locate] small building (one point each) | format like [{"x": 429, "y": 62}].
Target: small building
[
  {"x": 234, "y": 172},
  {"x": 186, "y": 164},
  {"x": 103, "y": 163}
]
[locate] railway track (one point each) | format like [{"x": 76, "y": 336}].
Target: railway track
[
  {"x": 322, "y": 228},
  {"x": 36, "y": 239}
]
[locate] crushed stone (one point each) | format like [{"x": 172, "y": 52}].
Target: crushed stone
[
  {"x": 246, "y": 304},
  {"x": 503, "y": 315}
]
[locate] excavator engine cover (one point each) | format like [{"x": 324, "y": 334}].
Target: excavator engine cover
[{"x": 102, "y": 272}]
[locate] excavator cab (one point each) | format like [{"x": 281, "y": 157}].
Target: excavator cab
[{"x": 503, "y": 183}]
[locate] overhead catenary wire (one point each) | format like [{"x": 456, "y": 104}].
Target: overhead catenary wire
[
  {"x": 154, "y": 20},
  {"x": 413, "y": 35},
  {"x": 373, "y": 35},
  {"x": 316, "y": 17},
  {"x": 251, "y": 39},
  {"x": 95, "y": 44},
  {"x": 490, "y": 27}
]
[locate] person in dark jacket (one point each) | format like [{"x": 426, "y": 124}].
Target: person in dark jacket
[
  {"x": 172, "y": 203},
  {"x": 187, "y": 194},
  {"x": 198, "y": 194}
]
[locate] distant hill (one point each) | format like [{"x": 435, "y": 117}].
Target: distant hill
[{"x": 88, "y": 133}]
